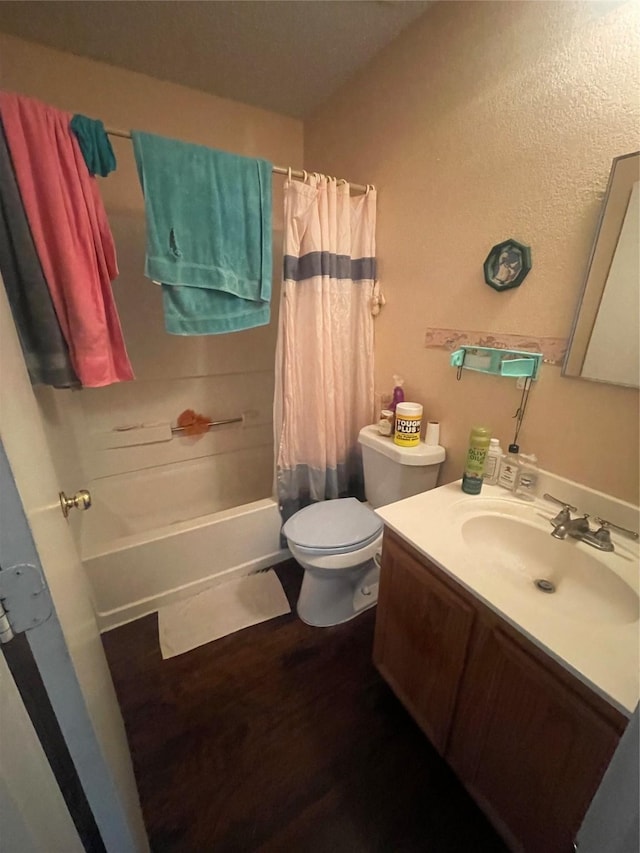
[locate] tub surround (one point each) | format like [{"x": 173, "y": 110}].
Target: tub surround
[
  {"x": 249, "y": 394},
  {"x": 168, "y": 531}
]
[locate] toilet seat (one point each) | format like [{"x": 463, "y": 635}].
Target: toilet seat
[
  {"x": 330, "y": 561},
  {"x": 340, "y": 526}
]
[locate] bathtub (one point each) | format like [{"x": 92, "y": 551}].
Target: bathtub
[{"x": 165, "y": 533}]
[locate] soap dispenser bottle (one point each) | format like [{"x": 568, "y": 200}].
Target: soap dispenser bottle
[
  {"x": 509, "y": 468},
  {"x": 492, "y": 462}
]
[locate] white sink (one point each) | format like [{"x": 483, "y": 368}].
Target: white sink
[
  {"x": 578, "y": 584},
  {"x": 498, "y": 546}
]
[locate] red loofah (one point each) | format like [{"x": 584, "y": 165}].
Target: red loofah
[{"x": 193, "y": 423}]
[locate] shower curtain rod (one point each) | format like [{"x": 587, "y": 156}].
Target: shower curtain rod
[{"x": 278, "y": 170}]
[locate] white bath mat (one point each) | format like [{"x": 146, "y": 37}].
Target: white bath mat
[{"x": 221, "y": 610}]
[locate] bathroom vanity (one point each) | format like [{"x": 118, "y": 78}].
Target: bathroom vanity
[{"x": 502, "y": 677}]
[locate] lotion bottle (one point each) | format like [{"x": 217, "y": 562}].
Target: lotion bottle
[
  {"x": 509, "y": 466},
  {"x": 474, "y": 466},
  {"x": 492, "y": 463}
]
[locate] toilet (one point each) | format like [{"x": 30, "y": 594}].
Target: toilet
[{"x": 338, "y": 543}]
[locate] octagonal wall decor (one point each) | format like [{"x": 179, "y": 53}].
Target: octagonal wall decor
[{"x": 507, "y": 265}]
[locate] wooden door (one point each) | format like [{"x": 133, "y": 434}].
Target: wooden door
[{"x": 422, "y": 632}]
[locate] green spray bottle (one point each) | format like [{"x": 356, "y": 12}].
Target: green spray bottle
[{"x": 479, "y": 441}]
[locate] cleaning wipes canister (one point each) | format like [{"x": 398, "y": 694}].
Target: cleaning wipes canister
[{"x": 408, "y": 424}]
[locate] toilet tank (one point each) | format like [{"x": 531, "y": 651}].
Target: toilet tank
[{"x": 392, "y": 472}]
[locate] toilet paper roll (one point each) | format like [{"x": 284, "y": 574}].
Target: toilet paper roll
[
  {"x": 432, "y": 436},
  {"x": 385, "y": 422}
]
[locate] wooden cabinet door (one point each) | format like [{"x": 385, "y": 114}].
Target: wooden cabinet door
[
  {"x": 529, "y": 741},
  {"x": 422, "y": 632}
]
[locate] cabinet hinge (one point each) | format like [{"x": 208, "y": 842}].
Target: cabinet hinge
[{"x": 24, "y": 600}]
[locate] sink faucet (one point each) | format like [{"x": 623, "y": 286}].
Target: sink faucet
[
  {"x": 578, "y": 528},
  {"x": 564, "y": 525}
]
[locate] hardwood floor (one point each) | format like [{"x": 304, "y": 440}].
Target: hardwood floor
[{"x": 283, "y": 737}]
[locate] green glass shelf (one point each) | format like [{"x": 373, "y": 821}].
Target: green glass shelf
[{"x": 499, "y": 362}]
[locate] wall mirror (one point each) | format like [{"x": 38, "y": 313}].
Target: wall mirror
[{"x": 605, "y": 340}]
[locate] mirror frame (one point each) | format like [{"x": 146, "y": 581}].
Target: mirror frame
[{"x": 625, "y": 171}]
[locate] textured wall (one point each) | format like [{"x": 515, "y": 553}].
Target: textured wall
[
  {"x": 484, "y": 121},
  {"x": 218, "y": 375}
]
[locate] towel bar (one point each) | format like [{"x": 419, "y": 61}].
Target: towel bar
[{"x": 239, "y": 420}]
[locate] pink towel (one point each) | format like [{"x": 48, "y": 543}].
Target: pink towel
[{"x": 71, "y": 235}]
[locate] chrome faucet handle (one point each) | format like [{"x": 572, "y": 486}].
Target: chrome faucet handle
[
  {"x": 563, "y": 517},
  {"x": 563, "y": 504},
  {"x": 605, "y": 525},
  {"x": 602, "y": 539}
]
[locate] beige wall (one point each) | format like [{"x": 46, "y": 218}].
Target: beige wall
[
  {"x": 218, "y": 375},
  {"x": 484, "y": 121}
]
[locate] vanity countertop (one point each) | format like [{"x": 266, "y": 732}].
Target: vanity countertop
[{"x": 495, "y": 545}]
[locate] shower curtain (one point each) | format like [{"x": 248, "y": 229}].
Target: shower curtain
[{"x": 324, "y": 355}]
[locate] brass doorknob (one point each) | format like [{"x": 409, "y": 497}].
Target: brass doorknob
[{"x": 81, "y": 500}]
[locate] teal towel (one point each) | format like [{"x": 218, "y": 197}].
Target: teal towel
[
  {"x": 209, "y": 231},
  {"x": 94, "y": 144},
  {"x": 198, "y": 311}
]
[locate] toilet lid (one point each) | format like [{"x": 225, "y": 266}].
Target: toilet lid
[{"x": 342, "y": 523}]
